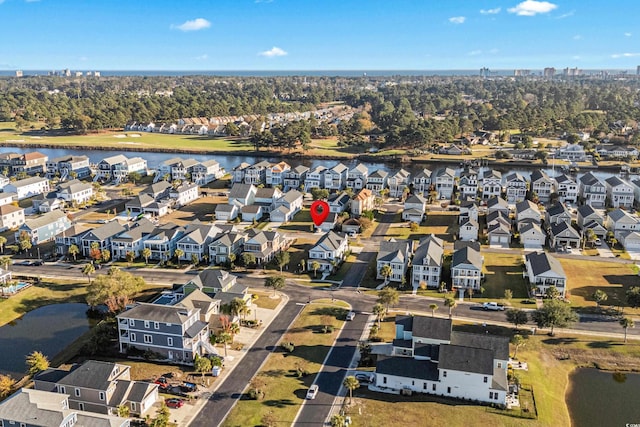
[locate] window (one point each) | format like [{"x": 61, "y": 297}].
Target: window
[
  {"x": 424, "y": 386},
  {"x": 132, "y": 337},
  {"x": 133, "y": 406},
  {"x": 156, "y": 325},
  {"x": 448, "y": 390},
  {"x": 168, "y": 325},
  {"x": 433, "y": 387},
  {"x": 146, "y": 324},
  {"x": 101, "y": 395},
  {"x": 499, "y": 364},
  {"x": 170, "y": 341},
  {"x": 61, "y": 389},
  {"x": 444, "y": 374},
  {"x": 495, "y": 396},
  {"x": 81, "y": 405},
  {"x": 148, "y": 339},
  {"x": 77, "y": 392},
  {"x": 486, "y": 379},
  {"x": 132, "y": 322},
  {"x": 384, "y": 380},
  {"x": 490, "y": 395}
]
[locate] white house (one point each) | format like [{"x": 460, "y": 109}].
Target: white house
[
  {"x": 377, "y": 181},
  {"x": 592, "y": 190},
  {"x": 468, "y": 184},
  {"x": 414, "y": 208},
  {"x": 444, "y": 182},
  {"x": 422, "y": 182},
  {"x": 336, "y": 177},
  {"x": 532, "y": 236},
  {"x": 542, "y": 185},
  {"x": 516, "y": 187},
  {"x": 620, "y": 221},
  {"x": 527, "y": 211},
  {"x": 242, "y": 194},
  {"x": 396, "y": 254},
  {"x": 491, "y": 184},
  {"x": 572, "y": 152},
  {"x": 338, "y": 202},
  {"x": 567, "y": 188},
  {"x": 544, "y": 271},
  {"x": 558, "y": 213},
  {"x": 11, "y": 217},
  {"x": 499, "y": 234},
  {"x": 357, "y": 177},
  {"x": 315, "y": 178},
  {"x": 75, "y": 192},
  {"x": 468, "y": 230},
  {"x": 225, "y": 212},
  {"x": 328, "y": 251},
  {"x": 398, "y": 182},
  {"x": 28, "y": 187},
  {"x": 184, "y": 194},
  {"x": 276, "y": 173},
  {"x": 562, "y": 234},
  {"x": 427, "y": 262},
  {"x": 363, "y": 201},
  {"x": 620, "y": 193},
  {"x": 252, "y": 213},
  {"x": 466, "y": 268},
  {"x": 587, "y": 214}
]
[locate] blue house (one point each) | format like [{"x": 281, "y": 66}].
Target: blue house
[{"x": 45, "y": 227}]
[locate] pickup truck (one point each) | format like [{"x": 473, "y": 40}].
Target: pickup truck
[{"x": 494, "y": 306}]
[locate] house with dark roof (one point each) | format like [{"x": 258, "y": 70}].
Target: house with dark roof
[
  {"x": 542, "y": 185},
  {"x": 591, "y": 190},
  {"x": 468, "y": 183},
  {"x": 587, "y": 214},
  {"x": 466, "y": 268},
  {"x": 328, "y": 251},
  {"x": 544, "y": 271},
  {"x": 100, "y": 387},
  {"x": 377, "y": 181},
  {"x": 468, "y": 230},
  {"x": 396, "y": 254},
  {"x": 558, "y": 213},
  {"x": 498, "y": 204},
  {"x": 499, "y": 233},
  {"x": 294, "y": 178},
  {"x": 532, "y": 236},
  {"x": 567, "y": 188},
  {"x": 357, "y": 177},
  {"x": 620, "y": 193},
  {"x": 491, "y": 184},
  {"x": 44, "y": 227},
  {"x": 422, "y": 182},
  {"x": 527, "y": 211},
  {"x": 426, "y": 266},
  {"x": 132, "y": 239},
  {"x": 223, "y": 245},
  {"x": 217, "y": 284},
  {"x": 516, "y": 187},
  {"x": 163, "y": 241},
  {"x": 444, "y": 181},
  {"x": 562, "y": 234},
  {"x": 428, "y": 357},
  {"x": 101, "y": 236},
  {"x": 338, "y": 202}
]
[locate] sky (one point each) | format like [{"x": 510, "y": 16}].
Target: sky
[{"x": 318, "y": 35}]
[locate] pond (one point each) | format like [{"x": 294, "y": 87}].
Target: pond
[
  {"x": 600, "y": 398},
  {"x": 49, "y": 329}
]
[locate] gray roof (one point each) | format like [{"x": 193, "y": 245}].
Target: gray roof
[
  {"x": 618, "y": 214},
  {"x": 515, "y": 176},
  {"x": 492, "y": 174},
  {"x": 586, "y": 210},
  {"x": 498, "y": 344},
  {"x": 157, "y": 188},
  {"x": 542, "y": 262},
  {"x": 330, "y": 241},
  {"x": 564, "y": 179},
  {"x": 213, "y": 278},
  {"x": 105, "y": 231},
  {"x": 530, "y": 225},
  {"x": 140, "y": 201},
  {"x": 614, "y": 181},
  {"x": 27, "y": 405},
  {"x": 390, "y": 249},
  {"x": 167, "y": 231},
  {"x": 240, "y": 191},
  {"x": 92, "y": 374},
  {"x": 538, "y": 174},
  {"x": 156, "y": 313},
  {"x": 466, "y": 359},
  {"x": 525, "y": 205},
  {"x": 415, "y": 199},
  {"x": 431, "y": 327},
  {"x": 28, "y": 181},
  {"x": 45, "y": 219},
  {"x": 467, "y": 255},
  {"x": 138, "y": 229},
  {"x": 339, "y": 198},
  {"x": 557, "y": 209},
  {"x": 424, "y": 173},
  {"x": 300, "y": 169},
  {"x": 590, "y": 179},
  {"x": 266, "y": 193},
  {"x": 407, "y": 367},
  {"x": 380, "y": 173},
  {"x": 115, "y": 159},
  {"x": 292, "y": 195},
  {"x": 560, "y": 227},
  {"x": 223, "y": 207},
  {"x": 73, "y": 186},
  {"x": 497, "y": 203}
]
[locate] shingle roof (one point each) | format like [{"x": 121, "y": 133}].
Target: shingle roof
[
  {"x": 586, "y": 210},
  {"x": 28, "y": 181},
  {"x": 156, "y": 313},
  {"x": 45, "y": 219},
  {"x": 105, "y": 231},
  {"x": 557, "y": 209},
  {"x": 392, "y": 249},
  {"x": 466, "y": 359},
  {"x": 8, "y": 209},
  {"x": 92, "y": 374},
  {"x": 331, "y": 241},
  {"x": 498, "y": 344},
  {"x": 467, "y": 255},
  {"x": 561, "y": 227},
  {"x": 407, "y": 367},
  {"x": 542, "y": 262},
  {"x": 432, "y": 327},
  {"x": 240, "y": 191}
]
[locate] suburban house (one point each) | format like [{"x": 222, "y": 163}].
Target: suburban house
[
  {"x": 444, "y": 182},
  {"x": 396, "y": 254},
  {"x": 516, "y": 187},
  {"x": 64, "y": 166},
  {"x": 28, "y": 187},
  {"x": 238, "y": 172},
  {"x": 37, "y": 408},
  {"x": 544, "y": 271},
  {"x": 630, "y": 240},
  {"x": 163, "y": 241},
  {"x": 336, "y": 177},
  {"x": 498, "y": 204},
  {"x": 174, "y": 332},
  {"x": 158, "y": 190},
  {"x": 363, "y": 201},
  {"x": 527, "y": 211},
  {"x": 294, "y": 179},
  {"x": 184, "y": 194},
  {"x": 143, "y": 203},
  {"x": 620, "y": 193},
  {"x": 558, "y": 213},
  {"x": 567, "y": 188},
  {"x": 257, "y": 174},
  {"x": 329, "y": 252},
  {"x": 119, "y": 167},
  {"x": 422, "y": 181},
  {"x": 377, "y": 181},
  {"x": 242, "y": 194},
  {"x": 100, "y": 387},
  {"x": 31, "y": 163},
  {"x": 468, "y": 230},
  {"x": 427, "y": 263},
  {"x": 44, "y": 203},
  {"x": 287, "y": 206},
  {"x": 276, "y": 173},
  {"x": 468, "y": 209},
  {"x": 328, "y": 224},
  {"x": 468, "y": 184},
  {"x": 532, "y": 236},
  {"x": 357, "y": 177},
  {"x": 491, "y": 184},
  {"x": 498, "y": 216},
  {"x": 466, "y": 267},
  {"x": 205, "y": 172},
  {"x": 351, "y": 226},
  {"x": 315, "y": 178},
  {"x": 428, "y": 357},
  {"x": 3, "y": 183},
  {"x": 224, "y": 245},
  {"x": 44, "y": 227},
  {"x": 592, "y": 191},
  {"x": 218, "y": 288},
  {"x": 75, "y": 192},
  {"x": 252, "y": 213},
  {"x": 196, "y": 239},
  {"x": 100, "y": 237},
  {"x": 11, "y": 217},
  {"x": 266, "y": 197},
  {"x": 562, "y": 234},
  {"x": 414, "y": 208},
  {"x": 338, "y": 202},
  {"x": 619, "y": 221},
  {"x": 7, "y": 198},
  {"x": 264, "y": 245},
  {"x": 572, "y": 152},
  {"x": 499, "y": 234},
  {"x": 132, "y": 239},
  {"x": 587, "y": 214},
  {"x": 542, "y": 186},
  {"x": 398, "y": 182},
  {"x": 226, "y": 212}
]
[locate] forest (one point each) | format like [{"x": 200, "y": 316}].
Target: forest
[{"x": 394, "y": 111}]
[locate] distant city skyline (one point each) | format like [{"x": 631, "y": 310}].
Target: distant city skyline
[{"x": 330, "y": 35}]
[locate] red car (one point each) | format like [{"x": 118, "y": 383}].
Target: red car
[
  {"x": 174, "y": 403},
  {"x": 162, "y": 381}
]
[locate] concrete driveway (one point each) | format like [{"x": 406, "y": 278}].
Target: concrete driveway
[{"x": 604, "y": 250}]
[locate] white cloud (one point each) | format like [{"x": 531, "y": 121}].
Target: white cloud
[
  {"x": 577, "y": 37},
  {"x": 202, "y": 57},
  {"x": 627, "y": 34},
  {"x": 273, "y": 52},
  {"x": 566, "y": 15},
  {"x": 457, "y": 19},
  {"x": 475, "y": 52},
  {"x": 194, "y": 25},
  {"x": 624, "y": 55},
  {"x": 490, "y": 11},
  {"x": 532, "y": 8}
]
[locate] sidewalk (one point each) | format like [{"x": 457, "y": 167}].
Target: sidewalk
[{"x": 247, "y": 336}]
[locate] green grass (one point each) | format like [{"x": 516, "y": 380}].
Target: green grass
[
  {"x": 503, "y": 271},
  {"x": 285, "y": 391},
  {"x": 300, "y": 222},
  {"x": 266, "y": 299}
]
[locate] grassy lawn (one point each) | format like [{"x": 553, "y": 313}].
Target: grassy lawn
[
  {"x": 300, "y": 222},
  {"x": 503, "y": 271},
  {"x": 284, "y": 390},
  {"x": 342, "y": 271},
  {"x": 201, "y": 209},
  {"x": 586, "y": 276},
  {"x": 442, "y": 224},
  {"x": 550, "y": 360},
  {"x": 265, "y": 299}
]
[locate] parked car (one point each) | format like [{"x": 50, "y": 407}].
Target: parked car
[
  {"x": 174, "y": 403},
  {"x": 493, "y": 306},
  {"x": 188, "y": 387},
  {"x": 597, "y": 242},
  {"x": 351, "y": 315},
  {"x": 364, "y": 377},
  {"x": 312, "y": 392}
]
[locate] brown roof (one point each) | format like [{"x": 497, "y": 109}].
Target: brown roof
[
  {"x": 364, "y": 194},
  {"x": 34, "y": 155},
  {"x": 7, "y": 209}
]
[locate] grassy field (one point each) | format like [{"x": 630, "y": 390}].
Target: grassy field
[
  {"x": 550, "y": 360},
  {"x": 284, "y": 390},
  {"x": 265, "y": 299},
  {"x": 503, "y": 271},
  {"x": 442, "y": 224}
]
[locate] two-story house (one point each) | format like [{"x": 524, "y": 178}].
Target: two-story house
[
  {"x": 398, "y": 183},
  {"x": 163, "y": 241},
  {"x": 294, "y": 179},
  {"x": 567, "y": 188},
  {"x": 257, "y": 174},
  {"x": 591, "y": 190},
  {"x": 264, "y": 245},
  {"x": 338, "y": 202},
  {"x": 336, "y": 177},
  {"x": 75, "y": 192},
  {"x": 224, "y": 245},
  {"x": 620, "y": 193},
  {"x": 357, "y": 177},
  {"x": 328, "y": 252},
  {"x": 491, "y": 184},
  {"x": 466, "y": 267},
  {"x": 468, "y": 184},
  {"x": 205, "y": 172},
  {"x": 527, "y": 211},
  {"x": 64, "y": 166},
  {"x": 45, "y": 227},
  {"x": 415, "y": 207},
  {"x": 184, "y": 194},
  {"x": 427, "y": 263},
  {"x": 132, "y": 239},
  {"x": 363, "y": 201},
  {"x": 445, "y": 180},
  {"x": 11, "y": 217},
  {"x": 397, "y": 255},
  {"x": 31, "y": 163},
  {"x": 276, "y": 173},
  {"x": 100, "y": 237},
  {"x": 562, "y": 234},
  {"x": 544, "y": 271},
  {"x": 196, "y": 239},
  {"x": 242, "y": 194},
  {"x": 542, "y": 186},
  {"x": 377, "y": 181},
  {"x": 422, "y": 182},
  {"x": 287, "y": 206},
  {"x": 516, "y": 187},
  {"x": 28, "y": 187},
  {"x": 315, "y": 178},
  {"x": 619, "y": 221},
  {"x": 558, "y": 213}
]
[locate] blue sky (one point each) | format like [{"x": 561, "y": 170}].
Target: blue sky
[{"x": 318, "y": 35}]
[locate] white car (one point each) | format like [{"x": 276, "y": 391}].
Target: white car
[
  {"x": 597, "y": 242},
  {"x": 351, "y": 315},
  {"x": 312, "y": 392}
]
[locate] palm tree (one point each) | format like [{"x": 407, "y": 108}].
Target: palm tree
[
  {"x": 451, "y": 303},
  {"x": 626, "y": 323},
  {"x": 3, "y": 241},
  {"x": 74, "y": 250},
  {"x": 146, "y": 254},
  {"x": 237, "y": 306},
  {"x": 388, "y": 296},
  {"x": 379, "y": 310},
  {"x": 517, "y": 340},
  {"x": 351, "y": 383},
  {"x": 88, "y": 270},
  {"x": 386, "y": 272},
  {"x": 433, "y": 307},
  {"x": 600, "y": 296},
  {"x": 315, "y": 265},
  {"x": 178, "y": 253},
  {"x": 5, "y": 262}
]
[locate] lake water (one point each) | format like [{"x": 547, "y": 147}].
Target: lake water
[
  {"x": 49, "y": 329},
  {"x": 599, "y": 398}
]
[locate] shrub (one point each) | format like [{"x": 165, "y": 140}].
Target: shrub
[{"x": 288, "y": 347}]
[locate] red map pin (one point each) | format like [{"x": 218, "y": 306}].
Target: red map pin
[{"x": 319, "y": 212}]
